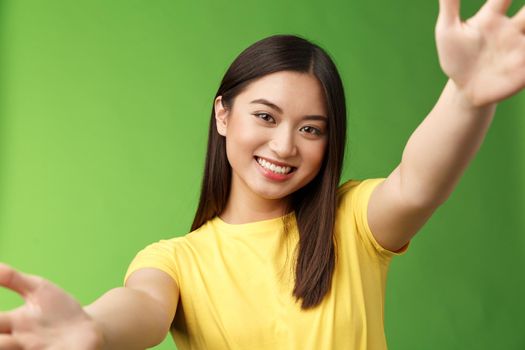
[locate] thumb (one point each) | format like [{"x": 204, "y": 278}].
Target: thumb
[
  {"x": 449, "y": 12},
  {"x": 17, "y": 281}
]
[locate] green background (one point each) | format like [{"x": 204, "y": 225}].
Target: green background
[{"x": 104, "y": 108}]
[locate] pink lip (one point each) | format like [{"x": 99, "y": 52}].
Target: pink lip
[{"x": 271, "y": 175}]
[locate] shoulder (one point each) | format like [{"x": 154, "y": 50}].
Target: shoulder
[
  {"x": 163, "y": 255},
  {"x": 163, "y": 245},
  {"x": 182, "y": 239},
  {"x": 356, "y": 191},
  {"x": 354, "y": 200}
]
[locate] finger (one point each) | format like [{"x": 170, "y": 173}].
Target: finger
[
  {"x": 8, "y": 342},
  {"x": 17, "y": 281},
  {"x": 519, "y": 19},
  {"x": 449, "y": 11},
  {"x": 500, "y": 6},
  {"x": 6, "y": 323}
]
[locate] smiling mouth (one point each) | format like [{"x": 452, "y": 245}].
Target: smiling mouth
[{"x": 282, "y": 170}]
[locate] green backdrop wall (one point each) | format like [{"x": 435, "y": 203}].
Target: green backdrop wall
[{"x": 104, "y": 108}]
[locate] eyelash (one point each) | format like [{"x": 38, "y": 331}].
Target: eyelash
[{"x": 317, "y": 132}]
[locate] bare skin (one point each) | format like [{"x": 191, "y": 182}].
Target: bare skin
[{"x": 484, "y": 58}]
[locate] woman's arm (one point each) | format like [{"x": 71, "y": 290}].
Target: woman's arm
[
  {"x": 484, "y": 58},
  {"x": 440, "y": 149},
  {"x": 139, "y": 315},
  {"x": 135, "y": 317}
]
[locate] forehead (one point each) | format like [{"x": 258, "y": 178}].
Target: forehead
[{"x": 294, "y": 92}]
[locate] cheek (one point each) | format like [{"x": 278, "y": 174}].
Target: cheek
[
  {"x": 316, "y": 154},
  {"x": 245, "y": 133},
  {"x": 242, "y": 140}
]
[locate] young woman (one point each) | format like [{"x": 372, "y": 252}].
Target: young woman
[{"x": 279, "y": 256}]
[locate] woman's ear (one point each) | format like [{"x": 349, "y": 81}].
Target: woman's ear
[{"x": 220, "y": 116}]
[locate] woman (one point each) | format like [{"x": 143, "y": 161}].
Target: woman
[{"x": 278, "y": 256}]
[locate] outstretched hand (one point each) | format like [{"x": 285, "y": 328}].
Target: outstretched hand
[
  {"x": 485, "y": 55},
  {"x": 49, "y": 319}
]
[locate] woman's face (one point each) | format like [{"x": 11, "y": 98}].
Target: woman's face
[{"x": 276, "y": 134}]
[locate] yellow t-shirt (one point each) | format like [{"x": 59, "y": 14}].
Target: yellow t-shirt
[{"x": 236, "y": 284}]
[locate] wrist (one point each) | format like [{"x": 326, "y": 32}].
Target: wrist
[
  {"x": 97, "y": 338},
  {"x": 466, "y": 101}
]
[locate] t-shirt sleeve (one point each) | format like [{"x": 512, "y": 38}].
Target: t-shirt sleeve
[
  {"x": 159, "y": 255},
  {"x": 354, "y": 197}
]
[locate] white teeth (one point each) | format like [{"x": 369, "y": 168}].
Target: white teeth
[{"x": 272, "y": 167}]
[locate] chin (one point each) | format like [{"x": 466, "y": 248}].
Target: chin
[{"x": 271, "y": 195}]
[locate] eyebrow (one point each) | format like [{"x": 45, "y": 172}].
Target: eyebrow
[{"x": 279, "y": 109}]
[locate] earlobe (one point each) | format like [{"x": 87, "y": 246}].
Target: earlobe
[{"x": 220, "y": 116}]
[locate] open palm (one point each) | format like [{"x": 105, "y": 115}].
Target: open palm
[
  {"x": 50, "y": 319},
  {"x": 485, "y": 55}
]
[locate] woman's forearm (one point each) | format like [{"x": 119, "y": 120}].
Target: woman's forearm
[
  {"x": 129, "y": 319},
  {"x": 439, "y": 150}
]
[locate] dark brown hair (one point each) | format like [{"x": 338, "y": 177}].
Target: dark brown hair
[{"x": 315, "y": 203}]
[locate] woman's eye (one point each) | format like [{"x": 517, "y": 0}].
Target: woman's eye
[
  {"x": 312, "y": 130},
  {"x": 264, "y": 116}
]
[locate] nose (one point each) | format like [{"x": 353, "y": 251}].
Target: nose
[{"x": 283, "y": 144}]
